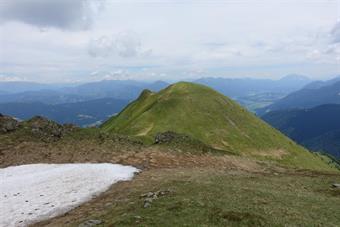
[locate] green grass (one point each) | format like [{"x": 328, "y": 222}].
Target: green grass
[
  {"x": 217, "y": 198},
  {"x": 210, "y": 117}
]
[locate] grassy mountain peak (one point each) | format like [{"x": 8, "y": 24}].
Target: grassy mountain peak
[{"x": 206, "y": 115}]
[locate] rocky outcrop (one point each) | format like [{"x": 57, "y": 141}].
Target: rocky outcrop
[
  {"x": 48, "y": 129},
  {"x": 167, "y": 137},
  {"x": 8, "y": 124}
]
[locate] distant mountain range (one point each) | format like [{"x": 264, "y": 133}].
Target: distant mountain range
[
  {"x": 86, "y": 113},
  {"x": 130, "y": 89},
  {"x": 49, "y": 94},
  {"x": 11, "y": 87},
  {"x": 312, "y": 95},
  {"x": 244, "y": 87},
  {"x": 25, "y": 99},
  {"x": 318, "y": 128}
]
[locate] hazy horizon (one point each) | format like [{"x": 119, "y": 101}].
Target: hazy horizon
[
  {"x": 170, "y": 81},
  {"x": 78, "y": 41}
]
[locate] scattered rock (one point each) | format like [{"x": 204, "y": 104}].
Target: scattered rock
[
  {"x": 89, "y": 223},
  {"x": 167, "y": 137},
  {"x": 43, "y": 126},
  {"x": 47, "y": 129},
  {"x": 151, "y": 196}
]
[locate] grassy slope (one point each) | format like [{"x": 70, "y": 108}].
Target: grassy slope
[
  {"x": 214, "y": 119},
  {"x": 204, "y": 199},
  {"x": 210, "y": 197}
]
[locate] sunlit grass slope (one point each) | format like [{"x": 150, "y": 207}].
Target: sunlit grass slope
[{"x": 212, "y": 118}]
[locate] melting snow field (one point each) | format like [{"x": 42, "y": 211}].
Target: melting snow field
[{"x": 31, "y": 193}]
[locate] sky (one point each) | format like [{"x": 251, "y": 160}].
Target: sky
[{"x": 87, "y": 40}]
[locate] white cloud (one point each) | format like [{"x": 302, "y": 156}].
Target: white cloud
[
  {"x": 126, "y": 44},
  {"x": 227, "y": 38}
]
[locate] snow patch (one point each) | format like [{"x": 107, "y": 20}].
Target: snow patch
[{"x": 31, "y": 193}]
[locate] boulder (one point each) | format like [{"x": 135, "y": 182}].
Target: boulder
[{"x": 7, "y": 124}]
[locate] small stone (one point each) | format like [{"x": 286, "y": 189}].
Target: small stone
[
  {"x": 90, "y": 223},
  {"x": 148, "y": 200},
  {"x": 147, "y": 204},
  {"x": 336, "y": 185}
]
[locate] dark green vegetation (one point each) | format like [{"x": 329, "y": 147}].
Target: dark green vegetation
[
  {"x": 312, "y": 95},
  {"x": 80, "y": 113},
  {"x": 208, "y": 116},
  {"x": 317, "y": 128}
]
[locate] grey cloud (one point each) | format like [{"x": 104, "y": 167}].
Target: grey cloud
[
  {"x": 124, "y": 45},
  {"x": 336, "y": 33},
  {"x": 63, "y": 14}
]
